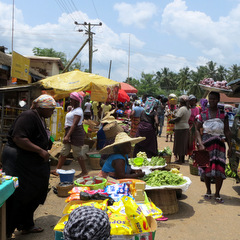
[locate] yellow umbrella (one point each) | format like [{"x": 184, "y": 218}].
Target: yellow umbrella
[{"x": 102, "y": 89}]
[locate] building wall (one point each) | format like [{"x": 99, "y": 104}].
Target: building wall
[{"x": 46, "y": 68}]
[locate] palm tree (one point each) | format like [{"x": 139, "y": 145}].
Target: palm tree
[
  {"x": 221, "y": 73},
  {"x": 212, "y": 71},
  {"x": 184, "y": 78},
  {"x": 166, "y": 79},
  {"x": 193, "y": 86},
  {"x": 233, "y": 72}
]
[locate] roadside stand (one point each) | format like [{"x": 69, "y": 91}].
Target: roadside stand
[{"x": 8, "y": 184}]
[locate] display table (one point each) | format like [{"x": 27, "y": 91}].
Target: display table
[{"x": 6, "y": 190}]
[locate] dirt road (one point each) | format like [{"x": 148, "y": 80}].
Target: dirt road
[{"x": 197, "y": 219}]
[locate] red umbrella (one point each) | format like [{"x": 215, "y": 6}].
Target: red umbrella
[
  {"x": 122, "y": 96},
  {"x": 128, "y": 88}
]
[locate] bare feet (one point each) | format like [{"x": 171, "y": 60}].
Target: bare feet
[
  {"x": 81, "y": 174},
  {"x": 54, "y": 172}
]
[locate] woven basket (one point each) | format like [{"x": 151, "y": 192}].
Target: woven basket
[
  {"x": 165, "y": 199},
  {"x": 62, "y": 191},
  {"x": 95, "y": 163},
  {"x": 172, "y": 165},
  {"x": 193, "y": 169},
  {"x": 167, "y": 158}
]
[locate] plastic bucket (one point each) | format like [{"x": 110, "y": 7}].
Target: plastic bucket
[{"x": 66, "y": 176}]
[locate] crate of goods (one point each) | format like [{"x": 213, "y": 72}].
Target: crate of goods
[{"x": 94, "y": 160}]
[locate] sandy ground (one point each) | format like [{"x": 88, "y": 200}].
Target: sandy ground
[{"x": 197, "y": 219}]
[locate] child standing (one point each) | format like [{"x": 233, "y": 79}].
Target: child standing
[{"x": 170, "y": 126}]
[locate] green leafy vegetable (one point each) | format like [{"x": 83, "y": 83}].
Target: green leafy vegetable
[{"x": 160, "y": 178}]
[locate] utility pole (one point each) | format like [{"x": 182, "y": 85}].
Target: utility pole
[
  {"x": 128, "y": 57},
  {"x": 88, "y": 31},
  {"x": 109, "y": 72},
  {"x": 70, "y": 62}
]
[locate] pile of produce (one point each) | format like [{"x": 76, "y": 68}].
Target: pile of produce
[
  {"x": 165, "y": 152},
  {"x": 161, "y": 178},
  {"x": 142, "y": 154},
  {"x": 155, "y": 161},
  {"x": 229, "y": 172},
  {"x": 211, "y": 83}
]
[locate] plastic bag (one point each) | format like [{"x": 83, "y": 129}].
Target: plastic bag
[
  {"x": 97, "y": 196},
  {"x": 119, "y": 224},
  {"x": 137, "y": 219}
]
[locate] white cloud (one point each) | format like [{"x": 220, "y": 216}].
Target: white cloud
[
  {"x": 216, "y": 39},
  {"x": 135, "y": 14}
]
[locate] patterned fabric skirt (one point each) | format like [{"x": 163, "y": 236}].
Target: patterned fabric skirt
[
  {"x": 170, "y": 126},
  {"x": 134, "y": 126},
  {"x": 217, "y": 151}
]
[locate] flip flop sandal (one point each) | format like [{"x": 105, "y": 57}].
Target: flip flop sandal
[
  {"x": 32, "y": 230},
  {"x": 219, "y": 200},
  {"x": 207, "y": 196}
]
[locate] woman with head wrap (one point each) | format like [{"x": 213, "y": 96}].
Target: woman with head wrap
[
  {"x": 181, "y": 129},
  {"x": 214, "y": 122},
  {"x": 74, "y": 134},
  {"x": 192, "y": 121},
  {"x": 87, "y": 223},
  {"x": 148, "y": 128},
  {"x": 26, "y": 156}
]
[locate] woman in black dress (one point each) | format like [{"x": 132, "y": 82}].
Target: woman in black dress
[{"x": 26, "y": 156}]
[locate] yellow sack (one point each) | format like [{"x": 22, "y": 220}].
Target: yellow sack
[
  {"x": 100, "y": 205},
  {"x": 150, "y": 209},
  {"x": 61, "y": 223},
  {"x": 119, "y": 224},
  {"x": 137, "y": 219}
]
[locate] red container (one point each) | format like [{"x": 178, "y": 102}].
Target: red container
[
  {"x": 98, "y": 180},
  {"x": 87, "y": 176}
]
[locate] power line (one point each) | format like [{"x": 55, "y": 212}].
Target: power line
[{"x": 95, "y": 8}]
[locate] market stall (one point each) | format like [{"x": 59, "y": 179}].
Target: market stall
[
  {"x": 61, "y": 85},
  {"x": 7, "y": 188}
]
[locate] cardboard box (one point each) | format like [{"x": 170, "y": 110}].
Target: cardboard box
[{"x": 141, "y": 236}]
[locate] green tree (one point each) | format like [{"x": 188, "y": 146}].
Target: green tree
[
  {"x": 221, "y": 73},
  {"x": 193, "y": 87},
  {"x": 148, "y": 85},
  {"x": 184, "y": 78},
  {"x": 212, "y": 71},
  {"x": 50, "y": 52},
  {"x": 166, "y": 79},
  {"x": 233, "y": 72}
]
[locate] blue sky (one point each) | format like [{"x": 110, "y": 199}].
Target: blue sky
[{"x": 163, "y": 33}]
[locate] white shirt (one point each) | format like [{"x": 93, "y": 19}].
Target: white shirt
[
  {"x": 88, "y": 106},
  {"x": 70, "y": 116}
]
